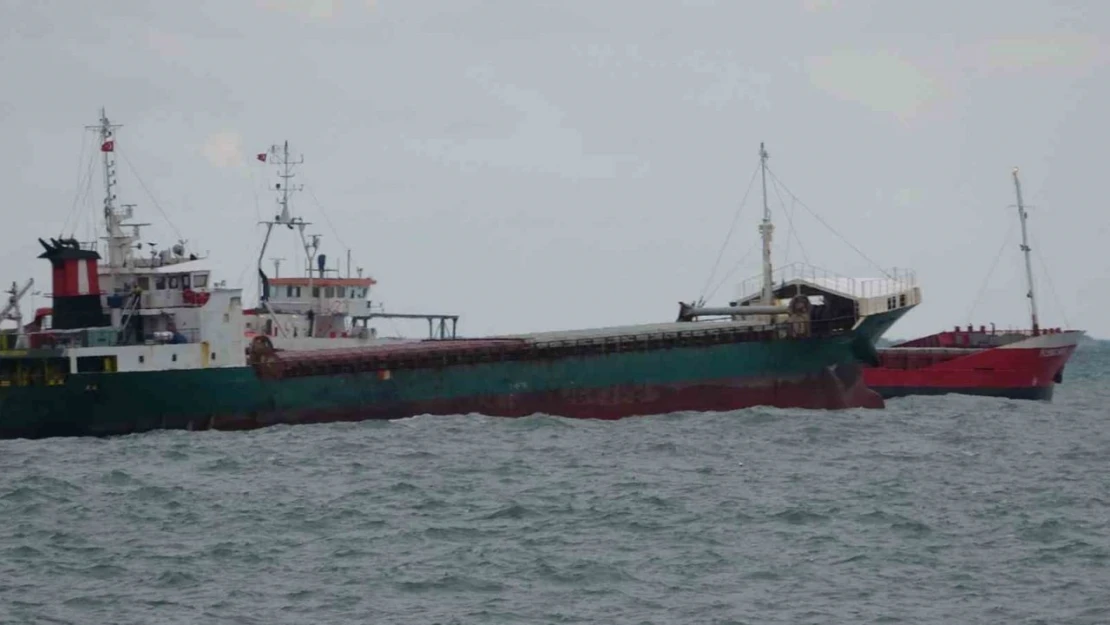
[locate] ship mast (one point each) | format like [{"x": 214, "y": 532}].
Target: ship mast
[
  {"x": 765, "y": 230},
  {"x": 285, "y": 188},
  {"x": 280, "y": 156},
  {"x": 119, "y": 243},
  {"x": 1025, "y": 251},
  {"x": 286, "y": 175}
]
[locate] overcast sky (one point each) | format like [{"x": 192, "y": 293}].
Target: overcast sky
[{"x": 536, "y": 165}]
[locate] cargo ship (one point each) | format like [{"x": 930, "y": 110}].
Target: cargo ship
[
  {"x": 146, "y": 343},
  {"x": 1014, "y": 364}
]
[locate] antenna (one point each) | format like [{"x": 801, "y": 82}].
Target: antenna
[
  {"x": 286, "y": 175},
  {"x": 277, "y": 265},
  {"x": 119, "y": 244},
  {"x": 280, "y": 157},
  {"x": 1025, "y": 249},
  {"x": 765, "y": 230}
]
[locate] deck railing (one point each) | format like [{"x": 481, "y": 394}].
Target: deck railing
[
  {"x": 897, "y": 281},
  {"x": 89, "y": 337}
]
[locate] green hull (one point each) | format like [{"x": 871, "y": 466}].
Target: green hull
[{"x": 810, "y": 373}]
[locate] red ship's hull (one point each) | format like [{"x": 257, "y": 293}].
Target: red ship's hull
[{"x": 974, "y": 363}]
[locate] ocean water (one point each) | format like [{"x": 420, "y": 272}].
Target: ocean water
[{"x": 936, "y": 510}]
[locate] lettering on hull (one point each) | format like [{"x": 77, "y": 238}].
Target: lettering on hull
[{"x": 1053, "y": 352}]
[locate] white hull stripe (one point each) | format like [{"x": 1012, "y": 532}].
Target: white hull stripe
[
  {"x": 82, "y": 277},
  {"x": 1047, "y": 341}
]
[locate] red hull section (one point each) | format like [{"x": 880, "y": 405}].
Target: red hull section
[
  {"x": 843, "y": 389},
  {"x": 1016, "y": 366}
]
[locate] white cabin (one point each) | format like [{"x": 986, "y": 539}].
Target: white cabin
[
  {"x": 314, "y": 312},
  {"x": 347, "y": 296}
]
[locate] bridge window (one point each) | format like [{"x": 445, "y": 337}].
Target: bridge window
[
  {"x": 329, "y": 291},
  {"x": 200, "y": 280},
  {"x": 185, "y": 281},
  {"x": 144, "y": 283},
  {"x": 340, "y": 291},
  {"x": 315, "y": 291},
  {"x": 160, "y": 283},
  {"x": 173, "y": 282}
]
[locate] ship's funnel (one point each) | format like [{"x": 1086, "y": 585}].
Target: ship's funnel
[{"x": 76, "y": 285}]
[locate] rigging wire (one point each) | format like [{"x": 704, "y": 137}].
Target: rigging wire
[
  {"x": 150, "y": 195},
  {"x": 77, "y": 192},
  {"x": 1048, "y": 278},
  {"x": 327, "y": 220},
  {"x": 728, "y": 236},
  {"x": 80, "y": 161},
  {"x": 334, "y": 230},
  {"x": 251, "y": 265},
  {"x": 986, "y": 279},
  {"x": 790, "y": 221},
  {"x": 93, "y": 218},
  {"x": 254, "y": 192},
  {"x": 824, "y": 223},
  {"x": 735, "y": 267},
  {"x": 91, "y": 215},
  {"x": 257, "y": 247},
  {"x": 81, "y": 197}
]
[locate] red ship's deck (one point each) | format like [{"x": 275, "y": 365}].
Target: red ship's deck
[{"x": 974, "y": 339}]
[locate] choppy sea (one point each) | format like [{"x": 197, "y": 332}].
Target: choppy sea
[{"x": 935, "y": 510}]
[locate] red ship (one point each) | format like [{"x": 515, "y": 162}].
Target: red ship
[{"x": 1016, "y": 364}]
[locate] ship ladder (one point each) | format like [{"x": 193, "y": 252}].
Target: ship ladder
[{"x": 132, "y": 306}]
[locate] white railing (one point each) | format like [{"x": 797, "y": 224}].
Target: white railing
[
  {"x": 325, "y": 306},
  {"x": 899, "y": 281}
]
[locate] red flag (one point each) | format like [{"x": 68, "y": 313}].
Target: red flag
[
  {"x": 108, "y": 146},
  {"x": 262, "y": 157}
]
